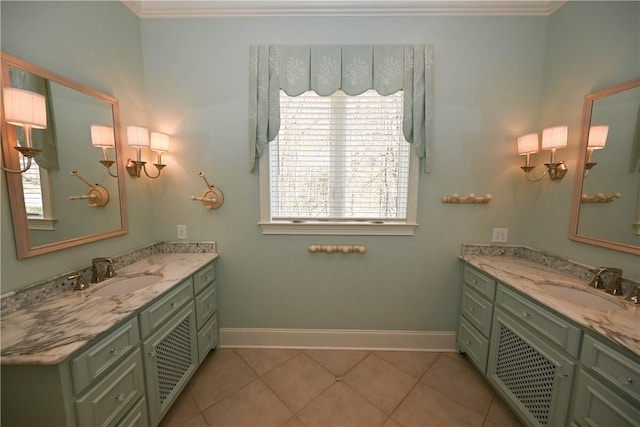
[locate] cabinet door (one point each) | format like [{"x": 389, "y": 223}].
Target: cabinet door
[
  {"x": 534, "y": 378},
  {"x": 595, "y": 405},
  {"x": 171, "y": 357}
]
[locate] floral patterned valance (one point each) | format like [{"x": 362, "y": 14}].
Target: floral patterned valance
[{"x": 351, "y": 68}]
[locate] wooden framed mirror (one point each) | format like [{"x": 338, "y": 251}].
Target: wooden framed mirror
[
  {"x": 44, "y": 217},
  {"x": 606, "y": 199}
]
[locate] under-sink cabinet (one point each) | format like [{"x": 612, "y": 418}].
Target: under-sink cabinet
[
  {"x": 127, "y": 377},
  {"x": 548, "y": 369}
]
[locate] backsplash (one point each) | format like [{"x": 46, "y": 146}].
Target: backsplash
[
  {"x": 14, "y": 300},
  {"x": 565, "y": 265}
]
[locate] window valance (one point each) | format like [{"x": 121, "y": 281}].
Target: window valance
[{"x": 351, "y": 68}]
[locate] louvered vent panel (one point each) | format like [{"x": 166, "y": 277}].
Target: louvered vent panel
[
  {"x": 527, "y": 373},
  {"x": 173, "y": 358}
]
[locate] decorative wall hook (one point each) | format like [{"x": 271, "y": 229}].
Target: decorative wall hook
[
  {"x": 345, "y": 249},
  {"x": 470, "y": 199},
  {"x": 599, "y": 198},
  {"x": 211, "y": 197},
  {"x": 98, "y": 196}
]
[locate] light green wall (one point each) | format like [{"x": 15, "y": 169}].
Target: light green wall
[
  {"x": 488, "y": 75},
  {"x": 97, "y": 44},
  {"x": 496, "y": 78},
  {"x": 590, "y": 46}
]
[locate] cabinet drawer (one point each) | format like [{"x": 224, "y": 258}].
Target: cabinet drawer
[
  {"x": 479, "y": 281},
  {"x": 107, "y": 402},
  {"x": 100, "y": 357},
  {"x": 206, "y": 305},
  {"x": 477, "y": 310},
  {"x": 208, "y": 338},
  {"x": 165, "y": 307},
  {"x": 137, "y": 416},
  {"x": 618, "y": 369},
  {"x": 476, "y": 346},
  {"x": 595, "y": 405},
  {"x": 203, "y": 277},
  {"x": 542, "y": 321}
]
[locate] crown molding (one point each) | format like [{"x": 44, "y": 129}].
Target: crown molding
[{"x": 226, "y": 8}]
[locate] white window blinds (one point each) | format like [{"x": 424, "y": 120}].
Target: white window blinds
[{"x": 340, "y": 158}]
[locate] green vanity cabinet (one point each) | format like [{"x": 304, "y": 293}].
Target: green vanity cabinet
[
  {"x": 548, "y": 369},
  {"x": 128, "y": 376},
  {"x": 607, "y": 391},
  {"x": 183, "y": 329},
  {"x": 476, "y": 314}
]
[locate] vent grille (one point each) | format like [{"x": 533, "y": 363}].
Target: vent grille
[
  {"x": 173, "y": 358},
  {"x": 527, "y": 373}
]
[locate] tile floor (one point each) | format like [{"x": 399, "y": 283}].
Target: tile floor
[{"x": 290, "y": 388}]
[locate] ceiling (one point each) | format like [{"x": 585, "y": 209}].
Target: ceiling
[{"x": 209, "y": 8}]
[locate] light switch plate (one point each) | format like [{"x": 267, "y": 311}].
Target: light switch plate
[{"x": 500, "y": 235}]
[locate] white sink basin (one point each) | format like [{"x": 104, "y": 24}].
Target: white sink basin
[
  {"x": 126, "y": 285},
  {"x": 582, "y": 297}
]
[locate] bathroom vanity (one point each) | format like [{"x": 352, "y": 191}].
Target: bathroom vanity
[
  {"x": 114, "y": 358},
  {"x": 557, "y": 351}
]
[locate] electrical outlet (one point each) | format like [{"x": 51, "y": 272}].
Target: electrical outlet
[
  {"x": 182, "y": 232},
  {"x": 500, "y": 235}
]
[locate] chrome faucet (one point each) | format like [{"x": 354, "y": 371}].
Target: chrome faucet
[
  {"x": 101, "y": 268},
  {"x": 613, "y": 283}
]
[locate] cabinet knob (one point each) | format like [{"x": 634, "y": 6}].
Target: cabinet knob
[
  {"x": 152, "y": 354},
  {"x": 526, "y": 314},
  {"x": 562, "y": 374},
  {"x": 173, "y": 305},
  {"x": 114, "y": 351},
  {"x": 625, "y": 381},
  {"x": 120, "y": 397}
]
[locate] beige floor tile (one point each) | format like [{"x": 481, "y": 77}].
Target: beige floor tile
[
  {"x": 253, "y": 405},
  {"x": 500, "y": 414},
  {"x": 391, "y": 423},
  {"x": 298, "y": 381},
  {"x": 222, "y": 373},
  {"x": 454, "y": 376},
  {"x": 263, "y": 360},
  {"x": 414, "y": 363},
  {"x": 294, "y": 422},
  {"x": 197, "y": 421},
  {"x": 338, "y": 362},
  {"x": 340, "y": 406},
  {"x": 380, "y": 383},
  {"x": 183, "y": 409},
  {"x": 426, "y": 407}
]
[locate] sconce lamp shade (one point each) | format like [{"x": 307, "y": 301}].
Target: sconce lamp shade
[
  {"x": 24, "y": 108},
  {"x": 555, "y": 137},
  {"x": 597, "y": 137},
  {"x": 137, "y": 136},
  {"x": 102, "y": 136},
  {"x": 528, "y": 144},
  {"x": 159, "y": 142}
]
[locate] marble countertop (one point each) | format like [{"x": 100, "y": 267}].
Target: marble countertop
[
  {"x": 48, "y": 332},
  {"x": 619, "y": 326}
]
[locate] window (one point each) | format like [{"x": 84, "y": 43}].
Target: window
[
  {"x": 37, "y": 200},
  {"x": 340, "y": 165}
]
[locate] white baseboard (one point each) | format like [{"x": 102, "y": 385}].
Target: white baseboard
[{"x": 338, "y": 339}]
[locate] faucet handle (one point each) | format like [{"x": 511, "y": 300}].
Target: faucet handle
[
  {"x": 80, "y": 283},
  {"x": 634, "y": 296}
]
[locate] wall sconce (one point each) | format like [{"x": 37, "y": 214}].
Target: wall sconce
[
  {"x": 103, "y": 137},
  {"x": 597, "y": 141},
  {"x": 138, "y": 137},
  {"x": 28, "y": 110},
  {"x": 552, "y": 139}
]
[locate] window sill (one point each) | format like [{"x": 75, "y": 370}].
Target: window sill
[
  {"x": 45, "y": 224},
  {"x": 334, "y": 229}
]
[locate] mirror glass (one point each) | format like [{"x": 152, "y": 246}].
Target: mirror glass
[
  {"x": 49, "y": 207},
  {"x": 606, "y": 205}
]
